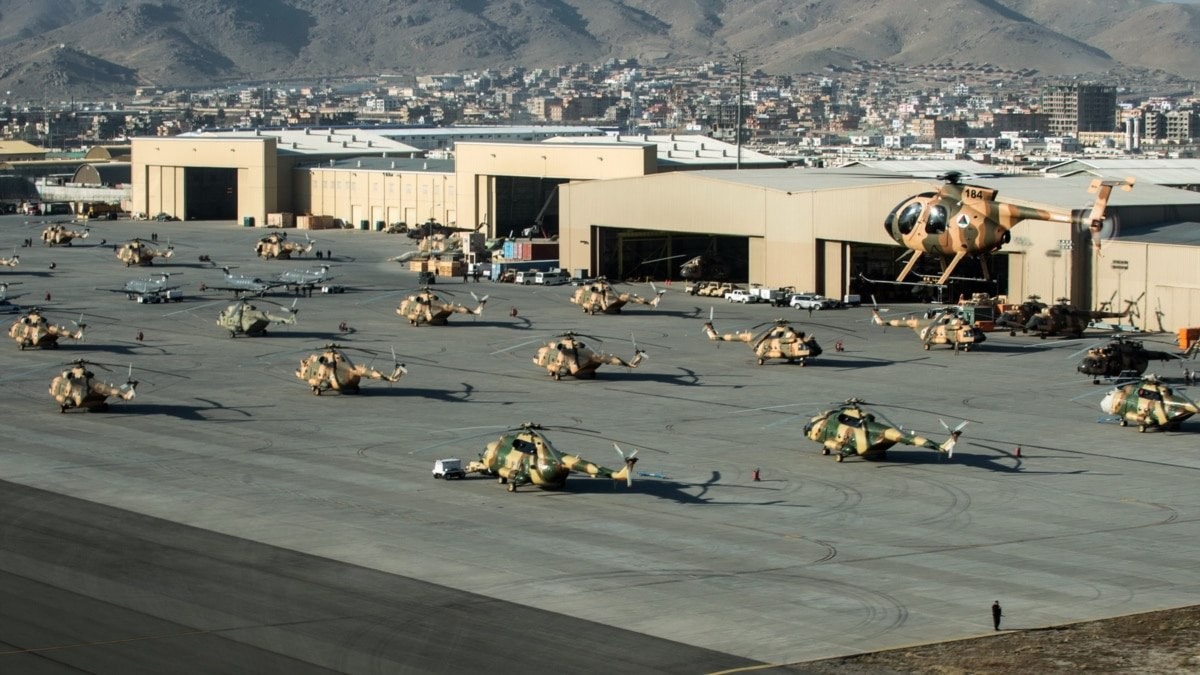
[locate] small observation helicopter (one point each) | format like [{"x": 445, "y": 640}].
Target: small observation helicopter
[
  {"x": 1120, "y": 357},
  {"x": 277, "y": 246},
  {"x": 780, "y": 341},
  {"x": 943, "y": 328},
  {"x": 566, "y": 354},
  {"x": 425, "y": 308},
  {"x": 961, "y": 220},
  {"x": 852, "y": 430},
  {"x": 332, "y": 370},
  {"x": 59, "y": 235},
  {"x": 33, "y": 330},
  {"x": 1065, "y": 319},
  {"x": 142, "y": 252},
  {"x": 1148, "y": 403},
  {"x": 600, "y": 296},
  {"x": 77, "y": 387},
  {"x": 524, "y": 456},
  {"x": 152, "y": 289},
  {"x": 11, "y": 262},
  {"x": 243, "y": 318}
]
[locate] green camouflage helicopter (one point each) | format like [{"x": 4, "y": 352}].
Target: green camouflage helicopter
[
  {"x": 242, "y": 318},
  {"x": 524, "y": 456},
  {"x": 1149, "y": 402},
  {"x": 851, "y": 430}
]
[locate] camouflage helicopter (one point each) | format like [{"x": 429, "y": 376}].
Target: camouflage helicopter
[
  {"x": 243, "y": 318},
  {"x": 704, "y": 266},
  {"x": 142, "y": 252},
  {"x": 11, "y": 262},
  {"x": 600, "y": 296},
  {"x": 943, "y": 328},
  {"x": 961, "y": 220},
  {"x": 77, "y": 387},
  {"x": 524, "y": 456},
  {"x": 425, "y": 307},
  {"x": 1148, "y": 403},
  {"x": 332, "y": 370},
  {"x": 1065, "y": 319},
  {"x": 57, "y": 234},
  {"x": 276, "y": 245},
  {"x": 1015, "y": 317},
  {"x": 1120, "y": 357},
  {"x": 33, "y": 330},
  {"x": 566, "y": 354},
  {"x": 851, "y": 430},
  {"x": 780, "y": 341}
]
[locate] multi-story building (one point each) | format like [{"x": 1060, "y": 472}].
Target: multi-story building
[{"x": 1080, "y": 107}]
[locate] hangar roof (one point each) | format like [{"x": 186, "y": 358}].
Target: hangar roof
[
  {"x": 683, "y": 149},
  {"x": 402, "y": 164},
  {"x": 316, "y": 141},
  {"x": 931, "y": 168},
  {"x": 1156, "y": 171},
  {"x": 1183, "y": 234}
]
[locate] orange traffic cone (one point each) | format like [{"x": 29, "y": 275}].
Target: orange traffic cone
[{"x": 1018, "y": 451}]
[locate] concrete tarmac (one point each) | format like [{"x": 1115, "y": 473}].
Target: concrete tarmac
[{"x": 817, "y": 559}]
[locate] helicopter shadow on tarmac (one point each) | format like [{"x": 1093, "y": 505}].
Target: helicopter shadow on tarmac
[
  {"x": 675, "y": 491},
  {"x": 191, "y": 413},
  {"x": 1000, "y": 462},
  {"x": 517, "y": 323}
]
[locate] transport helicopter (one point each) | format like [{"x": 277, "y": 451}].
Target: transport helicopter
[
  {"x": 277, "y": 246},
  {"x": 152, "y": 289},
  {"x": 425, "y": 308},
  {"x": 1065, "y": 319},
  {"x": 567, "y": 354},
  {"x": 142, "y": 252},
  {"x": 432, "y": 227},
  {"x": 1120, "y": 357},
  {"x": 33, "y": 330},
  {"x": 943, "y": 328},
  {"x": 58, "y": 234},
  {"x": 243, "y": 318},
  {"x": 11, "y": 262},
  {"x": 77, "y": 387},
  {"x": 1015, "y": 317},
  {"x": 705, "y": 266},
  {"x": 780, "y": 341},
  {"x": 241, "y": 284},
  {"x": 961, "y": 220},
  {"x": 1150, "y": 402},
  {"x": 524, "y": 456},
  {"x": 600, "y": 296},
  {"x": 332, "y": 370},
  {"x": 852, "y": 430}
]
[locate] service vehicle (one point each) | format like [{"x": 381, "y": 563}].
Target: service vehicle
[
  {"x": 449, "y": 468},
  {"x": 741, "y": 295}
]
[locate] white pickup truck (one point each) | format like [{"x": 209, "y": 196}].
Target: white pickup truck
[{"x": 742, "y": 296}]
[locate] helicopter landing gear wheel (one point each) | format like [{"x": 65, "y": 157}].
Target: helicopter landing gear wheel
[
  {"x": 62, "y": 409},
  {"x": 839, "y": 458},
  {"x": 1123, "y": 423},
  {"x": 501, "y": 480},
  {"x": 512, "y": 487},
  {"x": 926, "y": 347},
  {"x": 316, "y": 391},
  {"x": 1141, "y": 428},
  {"x": 824, "y": 451},
  {"x": 556, "y": 376},
  {"x": 761, "y": 361},
  {"x": 1012, "y": 333}
]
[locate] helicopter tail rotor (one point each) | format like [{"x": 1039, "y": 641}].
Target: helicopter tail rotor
[
  {"x": 948, "y": 446},
  {"x": 630, "y": 460}
]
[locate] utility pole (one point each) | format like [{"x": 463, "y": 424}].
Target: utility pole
[{"x": 740, "y": 60}]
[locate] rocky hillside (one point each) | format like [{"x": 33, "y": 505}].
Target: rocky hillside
[{"x": 85, "y": 47}]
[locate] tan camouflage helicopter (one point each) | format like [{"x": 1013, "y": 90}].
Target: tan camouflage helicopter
[
  {"x": 77, "y": 387},
  {"x": 566, "y": 354},
  {"x": 11, "y": 262},
  {"x": 1065, "y": 319},
  {"x": 57, "y": 234},
  {"x": 425, "y": 308},
  {"x": 851, "y": 430},
  {"x": 1014, "y": 317},
  {"x": 243, "y": 318},
  {"x": 944, "y": 327},
  {"x": 33, "y": 330},
  {"x": 962, "y": 220},
  {"x": 332, "y": 370},
  {"x": 525, "y": 456},
  {"x": 277, "y": 246},
  {"x": 1120, "y": 358},
  {"x": 1148, "y": 403},
  {"x": 600, "y": 296},
  {"x": 142, "y": 252},
  {"x": 780, "y": 341}
]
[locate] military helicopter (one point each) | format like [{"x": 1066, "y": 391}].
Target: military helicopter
[
  {"x": 524, "y": 456},
  {"x": 77, "y": 387},
  {"x": 566, "y": 354},
  {"x": 11, "y": 262},
  {"x": 332, "y": 370},
  {"x": 304, "y": 279},
  {"x": 852, "y": 430},
  {"x": 242, "y": 318},
  {"x": 1120, "y": 357},
  {"x": 960, "y": 220},
  {"x": 943, "y": 328},
  {"x": 425, "y": 308},
  {"x": 57, "y": 234},
  {"x": 1065, "y": 319},
  {"x": 241, "y": 284},
  {"x": 704, "y": 266},
  {"x": 33, "y": 330},
  {"x": 152, "y": 289},
  {"x": 600, "y": 296},
  {"x": 780, "y": 341},
  {"x": 1015, "y": 317},
  {"x": 276, "y": 245},
  {"x": 142, "y": 252},
  {"x": 432, "y": 227},
  {"x": 1148, "y": 403}
]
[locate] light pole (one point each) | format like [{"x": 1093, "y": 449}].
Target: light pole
[{"x": 739, "y": 59}]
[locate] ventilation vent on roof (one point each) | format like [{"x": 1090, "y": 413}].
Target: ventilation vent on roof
[{"x": 393, "y": 164}]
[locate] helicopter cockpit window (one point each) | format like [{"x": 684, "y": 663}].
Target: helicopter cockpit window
[
  {"x": 907, "y": 219},
  {"x": 937, "y": 219},
  {"x": 1150, "y": 395},
  {"x": 849, "y": 420}
]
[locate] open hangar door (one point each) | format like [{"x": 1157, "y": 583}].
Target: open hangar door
[
  {"x": 524, "y": 203},
  {"x": 882, "y": 264},
  {"x": 641, "y": 254},
  {"x": 210, "y": 194}
]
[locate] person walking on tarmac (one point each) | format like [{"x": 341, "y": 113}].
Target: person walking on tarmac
[{"x": 996, "y": 614}]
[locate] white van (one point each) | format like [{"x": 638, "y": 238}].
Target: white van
[{"x": 552, "y": 278}]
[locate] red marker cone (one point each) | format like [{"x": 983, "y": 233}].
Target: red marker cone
[{"x": 1018, "y": 451}]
